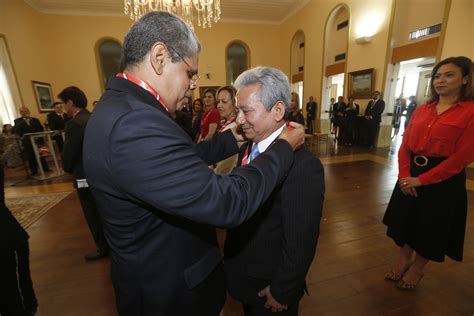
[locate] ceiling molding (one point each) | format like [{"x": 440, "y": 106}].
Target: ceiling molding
[{"x": 271, "y": 12}]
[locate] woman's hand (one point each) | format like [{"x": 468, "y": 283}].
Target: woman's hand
[{"x": 408, "y": 185}]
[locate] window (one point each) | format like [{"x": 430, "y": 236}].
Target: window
[
  {"x": 109, "y": 54},
  {"x": 237, "y": 60},
  {"x": 10, "y": 98}
]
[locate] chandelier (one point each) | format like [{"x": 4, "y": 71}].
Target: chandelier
[{"x": 208, "y": 11}]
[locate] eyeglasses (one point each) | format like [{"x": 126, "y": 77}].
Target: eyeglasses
[{"x": 193, "y": 76}]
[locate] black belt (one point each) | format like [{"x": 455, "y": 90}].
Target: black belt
[{"x": 426, "y": 161}]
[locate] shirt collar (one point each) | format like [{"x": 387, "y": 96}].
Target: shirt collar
[{"x": 263, "y": 144}]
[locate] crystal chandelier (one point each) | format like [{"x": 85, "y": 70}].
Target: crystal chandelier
[{"x": 208, "y": 11}]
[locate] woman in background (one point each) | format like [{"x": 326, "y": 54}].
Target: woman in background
[
  {"x": 426, "y": 216},
  {"x": 196, "y": 120},
  {"x": 295, "y": 113},
  {"x": 11, "y": 149},
  {"x": 228, "y": 112},
  {"x": 210, "y": 118},
  {"x": 351, "y": 112}
]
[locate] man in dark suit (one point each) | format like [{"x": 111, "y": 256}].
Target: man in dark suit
[
  {"x": 75, "y": 102},
  {"x": 267, "y": 257},
  {"x": 373, "y": 117},
  {"x": 27, "y": 124},
  {"x": 56, "y": 122},
  {"x": 152, "y": 185},
  {"x": 311, "y": 109}
]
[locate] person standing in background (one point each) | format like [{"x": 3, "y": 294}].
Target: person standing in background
[
  {"x": 373, "y": 117},
  {"x": 311, "y": 110},
  {"x": 295, "y": 113},
  {"x": 56, "y": 122},
  {"x": 75, "y": 102}
]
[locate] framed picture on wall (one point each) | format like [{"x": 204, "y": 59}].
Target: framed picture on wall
[
  {"x": 361, "y": 83},
  {"x": 44, "y": 96}
]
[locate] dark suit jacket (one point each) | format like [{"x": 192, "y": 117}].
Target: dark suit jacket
[
  {"x": 71, "y": 156},
  {"x": 375, "y": 110},
  {"x": 277, "y": 245},
  {"x": 158, "y": 198},
  {"x": 56, "y": 122},
  {"x": 22, "y": 128},
  {"x": 311, "y": 108}
]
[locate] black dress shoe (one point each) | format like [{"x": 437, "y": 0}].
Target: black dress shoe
[{"x": 96, "y": 255}]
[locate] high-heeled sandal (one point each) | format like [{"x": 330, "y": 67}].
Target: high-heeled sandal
[
  {"x": 405, "y": 286},
  {"x": 392, "y": 276}
]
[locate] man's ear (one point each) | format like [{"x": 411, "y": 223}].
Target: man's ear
[
  {"x": 279, "y": 109},
  {"x": 158, "y": 57}
]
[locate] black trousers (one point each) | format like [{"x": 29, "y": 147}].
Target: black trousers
[
  {"x": 310, "y": 125},
  {"x": 17, "y": 297},
  {"x": 93, "y": 218},
  {"x": 29, "y": 155},
  {"x": 372, "y": 131}
]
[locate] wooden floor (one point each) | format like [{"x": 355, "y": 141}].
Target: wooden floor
[{"x": 346, "y": 277}]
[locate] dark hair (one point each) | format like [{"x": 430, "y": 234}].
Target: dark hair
[
  {"x": 200, "y": 103},
  {"x": 74, "y": 94},
  {"x": 56, "y": 103},
  {"x": 4, "y": 128},
  {"x": 158, "y": 26},
  {"x": 467, "y": 90},
  {"x": 229, "y": 89},
  {"x": 211, "y": 91}
]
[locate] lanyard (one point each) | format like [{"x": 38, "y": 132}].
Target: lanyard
[
  {"x": 144, "y": 85},
  {"x": 229, "y": 120},
  {"x": 245, "y": 158}
]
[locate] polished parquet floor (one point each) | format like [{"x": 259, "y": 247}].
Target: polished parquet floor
[{"x": 346, "y": 277}]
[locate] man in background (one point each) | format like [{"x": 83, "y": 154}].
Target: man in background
[
  {"x": 373, "y": 117},
  {"x": 75, "y": 102},
  {"x": 311, "y": 110},
  {"x": 267, "y": 257},
  {"x": 27, "y": 124},
  {"x": 56, "y": 122}
]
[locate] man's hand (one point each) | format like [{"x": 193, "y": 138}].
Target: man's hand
[
  {"x": 294, "y": 135},
  {"x": 271, "y": 302},
  {"x": 408, "y": 185}
]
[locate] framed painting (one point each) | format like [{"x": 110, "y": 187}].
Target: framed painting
[
  {"x": 361, "y": 83},
  {"x": 44, "y": 96}
]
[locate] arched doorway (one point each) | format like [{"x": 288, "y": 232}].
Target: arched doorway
[
  {"x": 335, "y": 56},
  {"x": 297, "y": 64},
  {"x": 237, "y": 60},
  {"x": 108, "y": 54}
]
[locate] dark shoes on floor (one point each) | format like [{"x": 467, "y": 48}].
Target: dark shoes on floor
[{"x": 96, "y": 255}]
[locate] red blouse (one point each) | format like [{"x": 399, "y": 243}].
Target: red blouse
[
  {"x": 209, "y": 117},
  {"x": 450, "y": 134}
]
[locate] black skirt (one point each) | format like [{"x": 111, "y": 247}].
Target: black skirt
[{"x": 434, "y": 223}]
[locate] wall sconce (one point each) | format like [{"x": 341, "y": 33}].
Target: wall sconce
[{"x": 363, "y": 40}]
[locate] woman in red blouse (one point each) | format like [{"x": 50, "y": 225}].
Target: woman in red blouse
[
  {"x": 426, "y": 216},
  {"x": 211, "y": 118}
]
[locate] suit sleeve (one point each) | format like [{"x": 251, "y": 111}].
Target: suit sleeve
[
  {"x": 151, "y": 163},
  {"x": 72, "y": 148},
  {"x": 302, "y": 204},
  {"x": 220, "y": 147}
]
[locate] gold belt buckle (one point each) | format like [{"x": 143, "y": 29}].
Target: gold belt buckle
[{"x": 422, "y": 164}]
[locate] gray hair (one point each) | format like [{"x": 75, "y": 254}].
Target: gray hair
[
  {"x": 273, "y": 84},
  {"x": 158, "y": 26}
]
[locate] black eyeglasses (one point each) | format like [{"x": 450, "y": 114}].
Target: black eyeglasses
[{"x": 193, "y": 77}]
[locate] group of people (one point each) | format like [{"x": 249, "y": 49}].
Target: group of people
[
  {"x": 159, "y": 201},
  {"x": 344, "y": 120}
]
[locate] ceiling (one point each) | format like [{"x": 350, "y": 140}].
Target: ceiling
[{"x": 261, "y": 11}]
